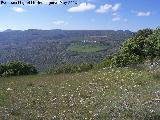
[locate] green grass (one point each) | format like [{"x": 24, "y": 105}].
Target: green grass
[
  {"x": 86, "y": 47},
  {"x": 108, "y": 94}
]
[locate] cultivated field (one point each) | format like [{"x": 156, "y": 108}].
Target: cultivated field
[{"x": 86, "y": 47}]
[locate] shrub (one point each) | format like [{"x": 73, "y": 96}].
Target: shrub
[
  {"x": 105, "y": 63},
  {"x": 70, "y": 68},
  {"x": 15, "y": 68},
  {"x": 144, "y": 45},
  {"x": 84, "y": 67}
]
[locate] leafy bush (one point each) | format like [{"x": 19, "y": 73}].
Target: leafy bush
[
  {"x": 105, "y": 63},
  {"x": 143, "y": 46},
  {"x": 15, "y": 68},
  {"x": 84, "y": 67},
  {"x": 70, "y": 68}
]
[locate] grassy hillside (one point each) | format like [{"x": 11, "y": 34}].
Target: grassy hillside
[{"x": 108, "y": 94}]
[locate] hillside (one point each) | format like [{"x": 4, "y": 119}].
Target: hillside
[
  {"x": 50, "y": 48},
  {"x": 124, "y": 86},
  {"x": 107, "y": 94}
]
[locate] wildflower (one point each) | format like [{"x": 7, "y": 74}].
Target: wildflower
[
  {"x": 125, "y": 89},
  {"x": 152, "y": 111},
  {"x": 157, "y": 93},
  {"x": 9, "y": 89},
  {"x": 54, "y": 117},
  {"x": 90, "y": 112},
  {"x": 96, "y": 114},
  {"x": 135, "y": 86}
]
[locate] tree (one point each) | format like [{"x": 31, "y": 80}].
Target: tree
[{"x": 144, "y": 45}]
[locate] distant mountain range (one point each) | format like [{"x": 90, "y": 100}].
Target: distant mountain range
[
  {"x": 49, "y": 48},
  {"x": 57, "y": 34}
]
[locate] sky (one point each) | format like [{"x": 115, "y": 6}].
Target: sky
[{"x": 85, "y": 15}]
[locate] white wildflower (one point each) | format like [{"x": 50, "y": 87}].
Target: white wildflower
[{"x": 9, "y": 89}]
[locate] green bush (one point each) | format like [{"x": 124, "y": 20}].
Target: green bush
[
  {"x": 105, "y": 63},
  {"x": 84, "y": 67},
  {"x": 143, "y": 46},
  {"x": 15, "y": 68},
  {"x": 70, "y": 68}
]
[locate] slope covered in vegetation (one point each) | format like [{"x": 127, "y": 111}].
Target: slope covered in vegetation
[
  {"x": 49, "y": 48},
  {"x": 111, "y": 93},
  {"x": 120, "y": 94}
]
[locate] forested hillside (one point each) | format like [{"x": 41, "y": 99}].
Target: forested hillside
[{"x": 51, "y": 48}]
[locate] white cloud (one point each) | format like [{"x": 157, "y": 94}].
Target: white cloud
[
  {"x": 82, "y": 7},
  {"x": 116, "y": 7},
  {"x": 60, "y": 22},
  {"x": 104, "y": 8},
  {"x": 116, "y": 18},
  {"x": 18, "y": 9},
  {"x": 143, "y": 13}
]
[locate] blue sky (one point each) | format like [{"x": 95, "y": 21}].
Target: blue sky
[{"x": 86, "y": 15}]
